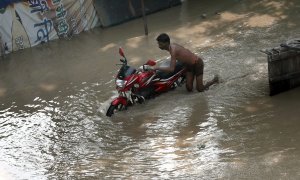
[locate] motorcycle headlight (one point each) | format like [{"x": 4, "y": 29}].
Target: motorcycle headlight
[{"x": 120, "y": 83}]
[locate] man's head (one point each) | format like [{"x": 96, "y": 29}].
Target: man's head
[{"x": 163, "y": 41}]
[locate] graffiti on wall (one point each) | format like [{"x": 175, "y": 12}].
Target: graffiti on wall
[{"x": 29, "y": 23}]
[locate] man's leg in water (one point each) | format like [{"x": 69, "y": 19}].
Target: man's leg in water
[
  {"x": 189, "y": 81},
  {"x": 199, "y": 83}
]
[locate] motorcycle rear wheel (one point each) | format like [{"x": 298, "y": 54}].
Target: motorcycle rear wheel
[{"x": 182, "y": 80}]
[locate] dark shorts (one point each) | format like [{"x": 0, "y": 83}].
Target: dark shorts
[{"x": 197, "y": 68}]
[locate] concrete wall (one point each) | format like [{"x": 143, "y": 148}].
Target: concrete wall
[
  {"x": 118, "y": 11},
  {"x": 28, "y": 23}
]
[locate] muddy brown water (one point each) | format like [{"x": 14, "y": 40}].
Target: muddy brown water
[{"x": 54, "y": 98}]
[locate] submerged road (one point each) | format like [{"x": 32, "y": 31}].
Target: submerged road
[{"x": 53, "y": 100}]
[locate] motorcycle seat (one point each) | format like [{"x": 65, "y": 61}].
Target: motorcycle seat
[{"x": 166, "y": 75}]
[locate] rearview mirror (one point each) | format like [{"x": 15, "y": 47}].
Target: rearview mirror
[
  {"x": 150, "y": 62},
  {"x": 121, "y": 52}
]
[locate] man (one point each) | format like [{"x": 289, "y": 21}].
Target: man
[{"x": 194, "y": 64}]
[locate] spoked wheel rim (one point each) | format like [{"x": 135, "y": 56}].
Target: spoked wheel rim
[{"x": 119, "y": 107}]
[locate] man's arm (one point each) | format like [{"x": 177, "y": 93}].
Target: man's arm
[{"x": 171, "y": 68}]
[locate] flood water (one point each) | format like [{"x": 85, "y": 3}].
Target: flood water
[{"x": 54, "y": 98}]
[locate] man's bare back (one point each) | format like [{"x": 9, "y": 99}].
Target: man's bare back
[{"x": 182, "y": 54}]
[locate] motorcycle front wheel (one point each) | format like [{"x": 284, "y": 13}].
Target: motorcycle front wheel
[{"x": 110, "y": 110}]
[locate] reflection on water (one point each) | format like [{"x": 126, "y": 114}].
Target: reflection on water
[{"x": 52, "y": 110}]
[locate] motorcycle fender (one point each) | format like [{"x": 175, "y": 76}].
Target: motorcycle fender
[{"x": 119, "y": 100}]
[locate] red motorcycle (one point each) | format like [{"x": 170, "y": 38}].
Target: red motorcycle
[{"x": 137, "y": 85}]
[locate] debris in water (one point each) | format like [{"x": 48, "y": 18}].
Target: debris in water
[{"x": 201, "y": 146}]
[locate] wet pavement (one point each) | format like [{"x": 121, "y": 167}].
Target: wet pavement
[{"x": 54, "y": 98}]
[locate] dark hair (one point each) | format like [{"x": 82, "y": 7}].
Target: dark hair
[{"x": 163, "y": 37}]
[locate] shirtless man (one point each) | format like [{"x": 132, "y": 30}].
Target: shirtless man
[{"x": 194, "y": 64}]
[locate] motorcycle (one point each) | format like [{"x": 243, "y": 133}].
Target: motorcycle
[{"x": 137, "y": 85}]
